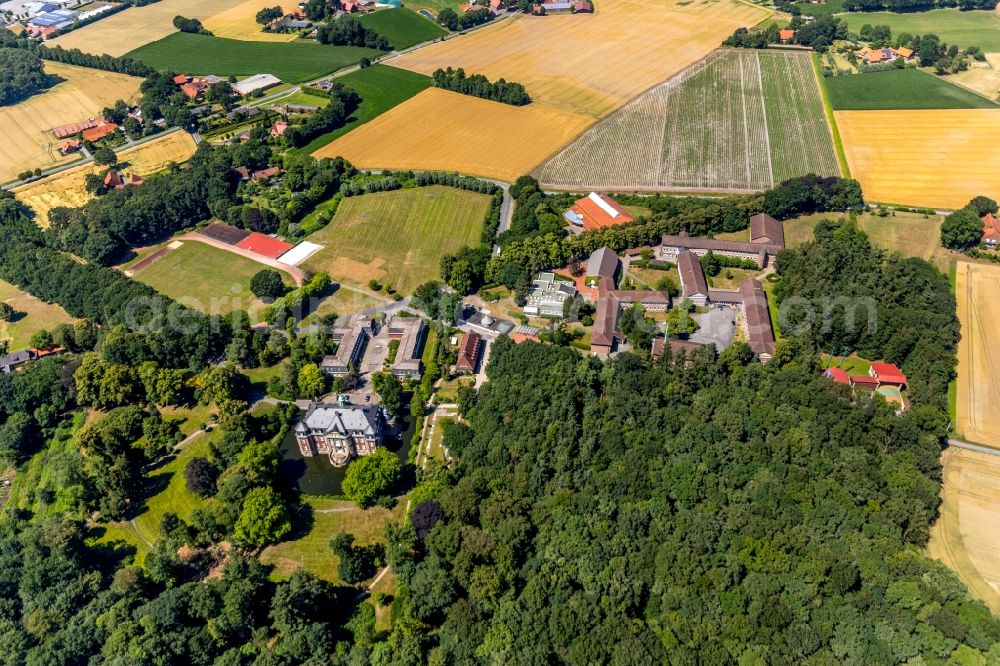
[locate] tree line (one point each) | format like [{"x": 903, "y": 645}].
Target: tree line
[
  {"x": 348, "y": 30},
  {"x": 121, "y": 65},
  {"x": 450, "y": 19},
  {"x": 478, "y": 85}
]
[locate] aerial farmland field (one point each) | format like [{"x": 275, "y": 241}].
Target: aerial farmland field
[
  {"x": 897, "y": 165},
  {"x": 978, "y": 383},
  {"x": 439, "y": 130},
  {"x": 117, "y": 35},
  {"x": 739, "y": 120},
  {"x": 900, "y": 89},
  {"x": 591, "y": 64},
  {"x": 239, "y": 22},
  {"x": 403, "y": 27},
  {"x": 964, "y": 28},
  {"x": 28, "y": 142},
  {"x": 399, "y": 237},
  {"x": 68, "y": 187}
]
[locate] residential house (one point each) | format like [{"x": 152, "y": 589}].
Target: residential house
[
  {"x": 10, "y": 362},
  {"x": 264, "y": 175},
  {"x": 279, "y": 128},
  {"x": 548, "y": 295},
  {"x": 181, "y": 79},
  {"x": 991, "y": 230},
  {"x": 113, "y": 180},
  {"x": 470, "y": 348},
  {"x": 410, "y": 332},
  {"x": 341, "y": 432},
  {"x": 596, "y": 211},
  {"x": 71, "y": 146},
  {"x": 786, "y": 35},
  {"x": 351, "y": 342}
]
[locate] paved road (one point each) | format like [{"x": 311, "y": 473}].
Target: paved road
[{"x": 973, "y": 447}]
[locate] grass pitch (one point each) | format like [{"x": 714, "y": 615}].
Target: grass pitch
[
  {"x": 293, "y": 62},
  {"x": 403, "y": 27},
  {"x": 739, "y": 120},
  {"x": 974, "y": 28},
  {"x": 68, "y": 187},
  {"x": 978, "y": 383},
  {"x": 900, "y": 89},
  {"x": 28, "y": 141},
  {"x": 381, "y": 88},
  {"x": 239, "y": 23},
  {"x": 439, "y": 130},
  {"x": 892, "y": 154},
  {"x": 128, "y": 30},
  {"x": 592, "y": 64},
  {"x": 399, "y": 237},
  {"x": 206, "y": 278},
  {"x": 33, "y": 315}
]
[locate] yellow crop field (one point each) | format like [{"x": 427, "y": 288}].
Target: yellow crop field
[
  {"x": 239, "y": 23},
  {"x": 138, "y": 26},
  {"x": 962, "y": 537},
  {"x": 895, "y": 154},
  {"x": 445, "y": 131},
  {"x": 592, "y": 64},
  {"x": 28, "y": 142},
  {"x": 978, "y": 383},
  {"x": 68, "y": 188}
]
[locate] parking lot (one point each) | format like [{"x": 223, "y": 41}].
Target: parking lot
[{"x": 717, "y": 326}]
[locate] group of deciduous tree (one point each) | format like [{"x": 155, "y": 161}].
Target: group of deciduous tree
[{"x": 478, "y": 85}]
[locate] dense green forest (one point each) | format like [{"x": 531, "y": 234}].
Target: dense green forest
[
  {"x": 21, "y": 75},
  {"x": 706, "y": 509}
]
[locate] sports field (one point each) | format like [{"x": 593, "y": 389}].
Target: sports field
[
  {"x": 439, "y": 130},
  {"x": 206, "y": 278},
  {"x": 592, "y": 64},
  {"x": 292, "y": 62},
  {"x": 117, "y": 35},
  {"x": 900, "y": 89},
  {"x": 399, "y": 237},
  {"x": 239, "y": 23},
  {"x": 964, "y": 536},
  {"x": 903, "y": 166},
  {"x": 68, "y": 187},
  {"x": 739, "y": 120},
  {"x": 978, "y": 383},
  {"x": 403, "y": 27},
  {"x": 33, "y": 315},
  {"x": 28, "y": 142},
  {"x": 974, "y": 28},
  {"x": 381, "y": 88}
]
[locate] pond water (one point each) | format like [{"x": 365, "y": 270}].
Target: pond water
[{"x": 316, "y": 476}]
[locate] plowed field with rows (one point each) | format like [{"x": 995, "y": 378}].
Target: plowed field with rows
[{"x": 740, "y": 120}]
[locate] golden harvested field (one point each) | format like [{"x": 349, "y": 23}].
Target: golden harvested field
[
  {"x": 978, "y": 382},
  {"x": 984, "y": 78},
  {"x": 964, "y": 536},
  {"x": 68, "y": 188},
  {"x": 239, "y": 23},
  {"x": 28, "y": 142},
  {"x": 896, "y": 155},
  {"x": 592, "y": 64},
  {"x": 138, "y": 26},
  {"x": 445, "y": 131}
]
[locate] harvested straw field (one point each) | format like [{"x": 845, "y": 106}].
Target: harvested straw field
[
  {"x": 978, "y": 383},
  {"x": 239, "y": 22},
  {"x": 117, "y": 35},
  {"x": 739, "y": 120},
  {"x": 901, "y": 166},
  {"x": 28, "y": 142},
  {"x": 592, "y": 64},
  {"x": 963, "y": 536},
  {"x": 68, "y": 188},
  {"x": 445, "y": 131}
]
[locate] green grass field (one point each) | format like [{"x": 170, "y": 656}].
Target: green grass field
[
  {"x": 398, "y": 238},
  {"x": 403, "y": 27},
  {"x": 976, "y": 28},
  {"x": 738, "y": 120},
  {"x": 302, "y": 97},
  {"x": 33, "y": 315},
  {"x": 381, "y": 87},
  {"x": 817, "y": 10},
  {"x": 205, "y": 277},
  {"x": 900, "y": 89},
  {"x": 292, "y": 62}
]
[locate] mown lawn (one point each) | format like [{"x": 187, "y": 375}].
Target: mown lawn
[
  {"x": 309, "y": 546},
  {"x": 292, "y": 62},
  {"x": 381, "y": 88},
  {"x": 32, "y": 315},
  {"x": 205, "y": 277},
  {"x": 398, "y": 238},
  {"x": 403, "y": 27},
  {"x": 974, "y": 28},
  {"x": 816, "y": 10},
  {"x": 899, "y": 89}
]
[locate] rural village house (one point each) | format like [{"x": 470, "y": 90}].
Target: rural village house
[{"x": 991, "y": 230}]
